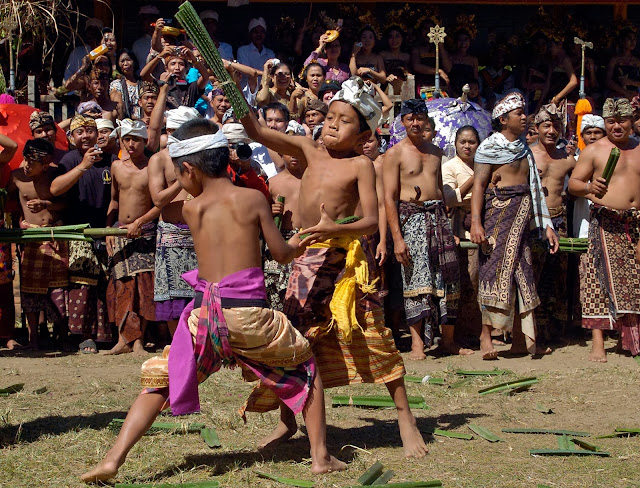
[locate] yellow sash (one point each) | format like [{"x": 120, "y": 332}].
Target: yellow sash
[{"x": 356, "y": 272}]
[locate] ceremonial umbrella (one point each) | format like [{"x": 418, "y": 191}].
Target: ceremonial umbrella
[
  {"x": 449, "y": 115},
  {"x": 14, "y": 123}
]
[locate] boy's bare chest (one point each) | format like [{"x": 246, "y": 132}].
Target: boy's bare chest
[{"x": 133, "y": 178}]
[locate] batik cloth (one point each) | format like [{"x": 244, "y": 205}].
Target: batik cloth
[
  {"x": 175, "y": 256},
  {"x": 232, "y": 326},
  {"x": 130, "y": 289},
  {"x": 6, "y": 264},
  {"x": 87, "y": 307},
  {"x": 276, "y": 275},
  {"x": 44, "y": 264},
  {"x": 506, "y": 276},
  {"x": 610, "y": 275},
  {"x": 53, "y": 303},
  {"x": 371, "y": 355},
  {"x": 551, "y": 283},
  {"x": 431, "y": 281}
]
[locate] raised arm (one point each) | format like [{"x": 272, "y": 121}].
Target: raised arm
[
  {"x": 264, "y": 95},
  {"x": 481, "y": 177},
  {"x": 9, "y": 148},
  {"x": 387, "y": 104},
  {"x": 282, "y": 251},
  {"x": 156, "y": 120},
  {"x": 293, "y": 145},
  {"x": 571, "y": 84}
]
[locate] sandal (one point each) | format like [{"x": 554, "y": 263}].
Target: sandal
[{"x": 88, "y": 347}]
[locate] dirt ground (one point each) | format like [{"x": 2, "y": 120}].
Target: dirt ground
[{"x": 49, "y": 439}]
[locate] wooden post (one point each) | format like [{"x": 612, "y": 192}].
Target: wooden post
[
  {"x": 32, "y": 92},
  {"x": 620, "y": 11}
]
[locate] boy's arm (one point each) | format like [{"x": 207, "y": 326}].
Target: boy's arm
[
  {"x": 160, "y": 195},
  {"x": 9, "y": 148},
  {"x": 481, "y": 177},
  {"x": 381, "y": 251},
  {"x": 292, "y": 145},
  {"x": 327, "y": 228},
  {"x": 391, "y": 176},
  {"x": 580, "y": 184},
  {"x": 156, "y": 120},
  {"x": 134, "y": 228},
  {"x": 282, "y": 251},
  {"x": 112, "y": 211}
]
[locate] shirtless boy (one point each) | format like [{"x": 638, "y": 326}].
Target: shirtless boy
[
  {"x": 613, "y": 258},
  {"x": 241, "y": 215},
  {"x": 285, "y": 184},
  {"x": 551, "y": 270},
  {"x": 500, "y": 216},
  {"x": 44, "y": 270},
  {"x": 336, "y": 181},
  {"x": 130, "y": 291},
  {"x": 414, "y": 201}
]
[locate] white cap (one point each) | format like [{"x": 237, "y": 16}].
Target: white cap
[
  {"x": 148, "y": 10},
  {"x": 104, "y": 124},
  {"x": 209, "y": 14},
  {"x": 253, "y": 23},
  {"x": 235, "y": 133},
  {"x": 180, "y": 115}
]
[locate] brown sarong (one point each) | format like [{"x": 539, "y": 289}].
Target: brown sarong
[
  {"x": 371, "y": 356},
  {"x": 506, "y": 276},
  {"x": 610, "y": 275},
  {"x": 44, "y": 264}
]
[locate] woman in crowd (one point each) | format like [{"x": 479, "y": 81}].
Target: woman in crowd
[
  {"x": 126, "y": 90},
  {"x": 335, "y": 70},
  {"x": 464, "y": 66},
  {"x": 364, "y": 62},
  {"x": 313, "y": 76},
  {"x": 623, "y": 71},
  {"x": 277, "y": 86},
  {"x": 396, "y": 61},
  {"x": 423, "y": 61}
]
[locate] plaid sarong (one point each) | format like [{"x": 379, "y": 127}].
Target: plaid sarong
[
  {"x": 610, "y": 275},
  {"x": 44, "y": 264},
  {"x": 132, "y": 256}
]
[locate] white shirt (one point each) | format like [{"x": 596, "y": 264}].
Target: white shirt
[
  {"x": 75, "y": 61},
  {"x": 226, "y": 51},
  {"x": 250, "y": 56},
  {"x": 141, "y": 49}
]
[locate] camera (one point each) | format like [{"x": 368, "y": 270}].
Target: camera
[{"x": 243, "y": 150}]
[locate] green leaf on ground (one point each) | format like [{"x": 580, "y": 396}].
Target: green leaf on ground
[
  {"x": 547, "y": 431},
  {"x": 562, "y": 452},
  {"x": 11, "y": 389},
  {"x": 375, "y": 401},
  {"x": 170, "y": 427},
  {"x": 286, "y": 481},
  {"x": 542, "y": 409},
  {"x": 384, "y": 478},
  {"x": 210, "y": 436},
  {"x": 509, "y": 385},
  {"x": 486, "y": 434},
  {"x": 371, "y": 474},
  {"x": 201, "y": 484},
  {"x": 585, "y": 445},
  {"x": 493, "y": 372}
]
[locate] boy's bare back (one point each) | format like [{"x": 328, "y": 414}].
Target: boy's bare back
[
  {"x": 416, "y": 167},
  {"x": 131, "y": 188}
]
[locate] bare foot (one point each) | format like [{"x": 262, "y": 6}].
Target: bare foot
[
  {"x": 598, "y": 356},
  {"x": 138, "y": 348},
  {"x": 119, "y": 348},
  {"x": 329, "y": 465},
  {"x": 13, "y": 345},
  {"x": 104, "y": 471},
  {"x": 543, "y": 351},
  {"x": 283, "y": 432},
  {"x": 455, "y": 348},
  {"x": 417, "y": 353},
  {"x": 498, "y": 342},
  {"x": 489, "y": 355},
  {"x": 412, "y": 441}
]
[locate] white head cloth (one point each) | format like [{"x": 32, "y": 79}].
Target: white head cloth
[
  {"x": 128, "y": 127},
  {"x": 253, "y": 23},
  {"x": 180, "y": 115},
  {"x": 104, "y": 124},
  {"x": 235, "y": 133},
  {"x": 589, "y": 121},
  {"x": 209, "y": 14},
  {"x": 178, "y": 148},
  {"x": 295, "y": 128},
  {"x": 510, "y": 102},
  {"x": 355, "y": 93}
]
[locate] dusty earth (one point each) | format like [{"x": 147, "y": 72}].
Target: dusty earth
[{"x": 48, "y": 439}]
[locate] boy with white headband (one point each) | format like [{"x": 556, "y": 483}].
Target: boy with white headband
[
  {"x": 343, "y": 318},
  {"x": 130, "y": 290},
  {"x": 228, "y": 322}
]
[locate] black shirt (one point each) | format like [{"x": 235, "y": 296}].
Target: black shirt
[
  {"x": 183, "y": 95},
  {"x": 88, "y": 200}
]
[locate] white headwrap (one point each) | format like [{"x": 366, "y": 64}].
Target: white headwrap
[
  {"x": 128, "y": 127},
  {"x": 105, "y": 124},
  {"x": 589, "y": 121},
  {"x": 510, "y": 102},
  {"x": 178, "y": 148},
  {"x": 355, "y": 93},
  {"x": 253, "y": 23},
  {"x": 295, "y": 128},
  {"x": 235, "y": 133},
  {"x": 180, "y": 115}
]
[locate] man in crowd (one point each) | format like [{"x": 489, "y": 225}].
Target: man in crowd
[
  {"x": 609, "y": 293},
  {"x": 42, "y": 125},
  {"x": 210, "y": 20},
  {"x": 255, "y": 54},
  {"x": 141, "y": 47},
  {"x": 93, "y": 34},
  {"x": 506, "y": 194}
]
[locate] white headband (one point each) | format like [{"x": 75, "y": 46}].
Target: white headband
[
  {"x": 180, "y": 115},
  {"x": 354, "y": 92},
  {"x": 128, "y": 127},
  {"x": 591, "y": 121},
  {"x": 178, "y": 148}
]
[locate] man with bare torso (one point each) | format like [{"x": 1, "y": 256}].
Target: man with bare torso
[
  {"x": 44, "y": 268},
  {"x": 612, "y": 263},
  {"x": 422, "y": 239},
  {"x": 554, "y": 165},
  {"x": 335, "y": 182},
  {"x": 130, "y": 291},
  {"x": 506, "y": 193}
]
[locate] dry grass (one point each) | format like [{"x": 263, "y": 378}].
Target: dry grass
[{"x": 47, "y": 440}]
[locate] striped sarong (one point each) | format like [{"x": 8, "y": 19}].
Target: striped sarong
[{"x": 44, "y": 264}]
